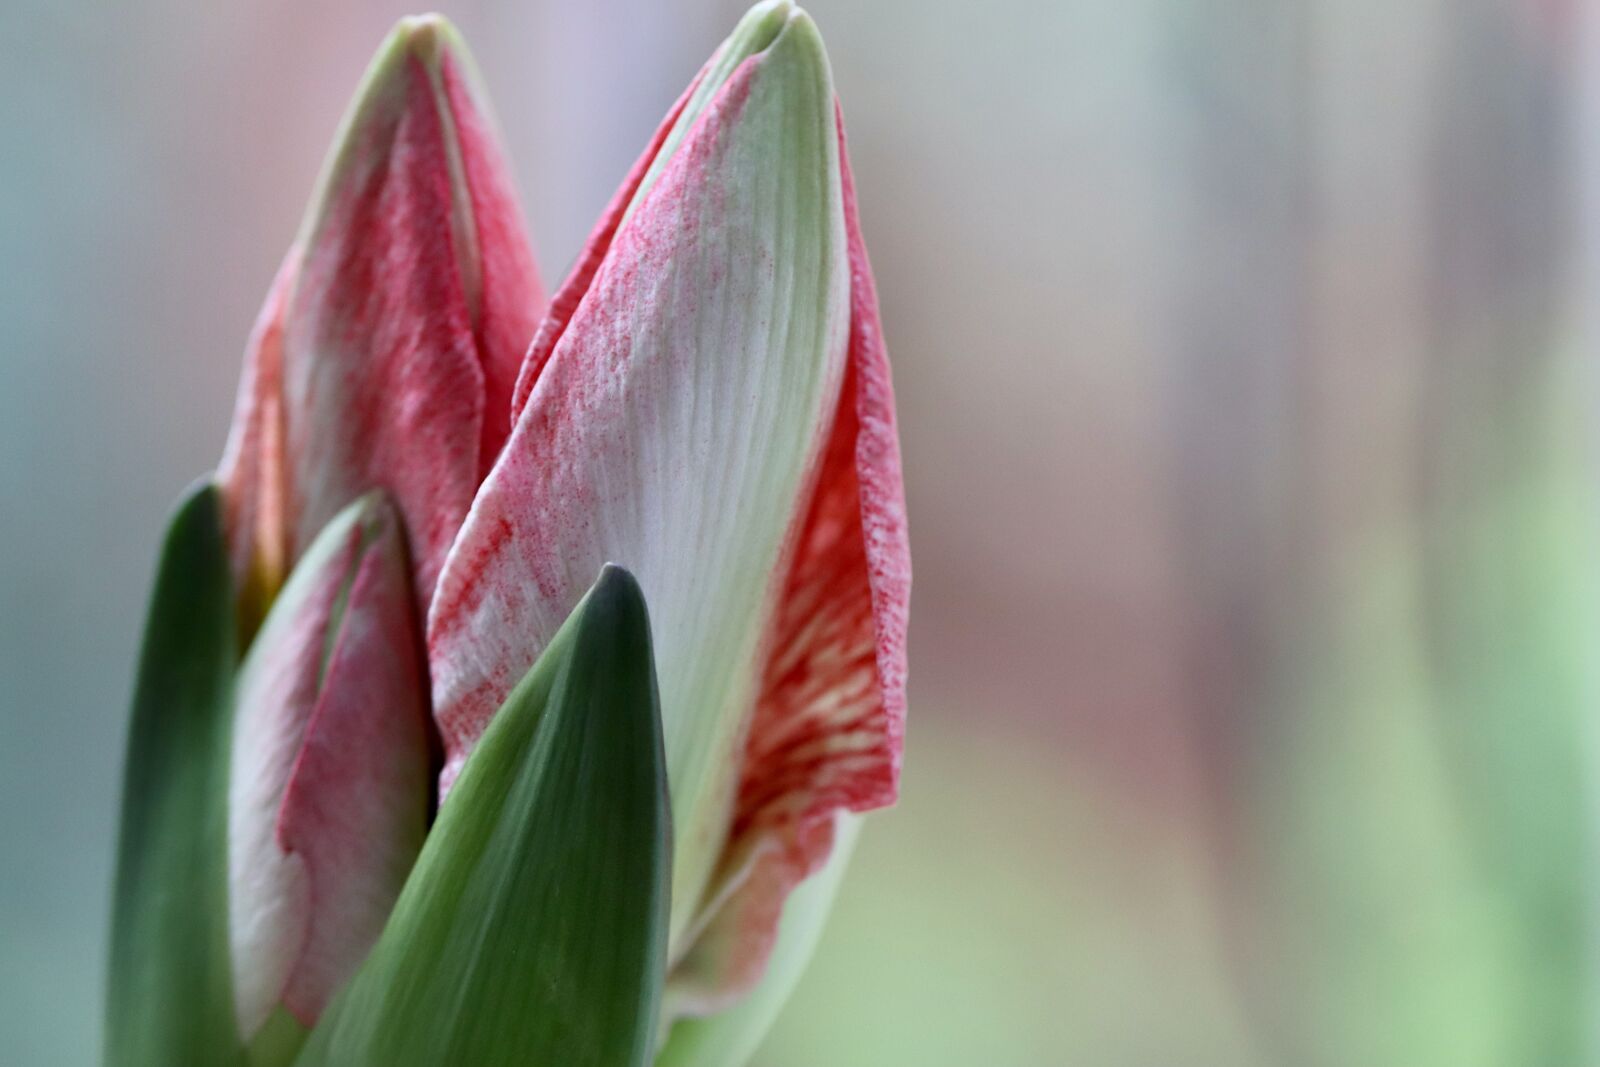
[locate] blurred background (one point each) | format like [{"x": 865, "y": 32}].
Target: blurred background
[{"x": 1245, "y": 356}]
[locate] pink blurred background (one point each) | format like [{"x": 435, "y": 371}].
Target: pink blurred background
[{"x": 1244, "y": 372}]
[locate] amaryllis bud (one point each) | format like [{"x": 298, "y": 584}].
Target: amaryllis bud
[
  {"x": 383, "y": 360},
  {"x": 409, "y": 515},
  {"x": 708, "y": 403},
  {"x": 533, "y": 930},
  {"x": 329, "y": 784},
  {"x": 386, "y": 353}
]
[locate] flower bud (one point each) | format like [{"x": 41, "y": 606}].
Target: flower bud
[
  {"x": 387, "y": 351},
  {"x": 708, "y": 404},
  {"x": 329, "y": 789}
]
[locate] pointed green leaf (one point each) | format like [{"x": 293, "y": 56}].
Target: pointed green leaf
[
  {"x": 533, "y": 928},
  {"x": 169, "y": 999}
]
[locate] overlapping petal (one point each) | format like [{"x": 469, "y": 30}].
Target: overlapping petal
[
  {"x": 709, "y": 404},
  {"x": 330, "y": 785},
  {"x": 829, "y": 721},
  {"x": 388, "y": 350},
  {"x": 251, "y": 472}
]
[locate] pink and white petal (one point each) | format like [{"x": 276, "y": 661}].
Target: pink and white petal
[
  {"x": 675, "y": 430},
  {"x": 251, "y": 471},
  {"x": 333, "y": 674},
  {"x": 268, "y": 900},
  {"x": 581, "y": 276},
  {"x": 401, "y": 321},
  {"x": 355, "y": 809},
  {"x": 829, "y": 722},
  {"x": 754, "y": 33}
]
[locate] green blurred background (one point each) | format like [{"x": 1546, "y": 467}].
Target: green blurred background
[{"x": 1244, "y": 353}]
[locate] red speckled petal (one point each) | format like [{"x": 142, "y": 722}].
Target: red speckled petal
[
  {"x": 251, "y": 471},
  {"x": 755, "y": 32},
  {"x": 330, "y": 785},
  {"x": 578, "y": 280},
  {"x": 829, "y": 722},
  {"x": 415, "y": 299},
  {"x": 675, "y": 430}
]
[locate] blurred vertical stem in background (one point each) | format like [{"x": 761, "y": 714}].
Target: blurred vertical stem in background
[{"x": 1385, "y": 480}]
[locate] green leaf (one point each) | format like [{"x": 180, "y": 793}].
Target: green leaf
[
  {"x": 170, "y": 999},
  {"x": 532, "y": 930}
]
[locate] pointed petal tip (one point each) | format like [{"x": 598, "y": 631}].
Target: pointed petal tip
[
  {"x": 786, "y": 51},
  {"x": 417, "y": 41},
  {"x": 416, "y": 296},
  {"x": 799, "y": 37},
  {"x": 772, "y": 27},
  {"x": 760, "y": 26},
  {"x": 428, "y": 25},
  {"x": 374, "y": 513},
  {"x": 775, "y": 29},
  {"x": 428, "y": 37}
]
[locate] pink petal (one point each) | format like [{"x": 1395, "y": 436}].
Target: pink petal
[
  {"x": 330, "y": 783},
  {"x": 251, "y": 472},
  {"x": 674, "y": 429},
  {"x": 356, "y": 806},
  {"x": 511, "y": 298},
  {"x": 401, "y": 322},
  {"x": 830, "y": 720}
]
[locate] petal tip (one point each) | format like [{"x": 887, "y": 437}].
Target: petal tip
[
  {"x": 760, "y": 26},
  {"x": 799, "y": 37},
  {"x": 428, "y": 37},
  {"x": 375, "y": 515},
  {"x": 772, "y": 27}
]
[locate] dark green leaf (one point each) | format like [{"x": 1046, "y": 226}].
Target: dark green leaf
[
  {"x": 170, "y": 998},
  {"x": 532, "y": 931}
]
